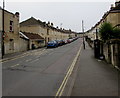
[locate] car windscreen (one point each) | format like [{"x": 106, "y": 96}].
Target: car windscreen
[{"x": 51, "y": 42}]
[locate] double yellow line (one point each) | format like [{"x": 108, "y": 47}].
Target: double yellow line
[{"x": 62, "y": 87}]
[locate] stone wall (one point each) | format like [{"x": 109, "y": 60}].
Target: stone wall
[
  {"x": 111, "y": 51},
  {"x": 11, "y": 37}
]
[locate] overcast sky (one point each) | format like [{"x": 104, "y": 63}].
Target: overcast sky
[{"x": 70, "y": 14}]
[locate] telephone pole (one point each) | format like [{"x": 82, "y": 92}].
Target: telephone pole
[
  {"x": 61, "y": 29},
  {"x": 2, "y": 35},
  {"x": 83, "y": 34}
]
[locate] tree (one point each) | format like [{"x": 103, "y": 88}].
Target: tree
[
  {"x": 106, "y": 31},
  {"x": 116, "y": 33}
]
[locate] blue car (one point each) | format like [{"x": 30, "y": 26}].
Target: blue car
[{"x": 52, "y": 44}]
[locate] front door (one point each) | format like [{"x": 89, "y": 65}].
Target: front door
[{"x": 11, "y": 45}]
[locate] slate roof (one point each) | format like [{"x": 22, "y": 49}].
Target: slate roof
[
  {"x": 32, "y": 21},
  {"x": 33, "y": 36}
]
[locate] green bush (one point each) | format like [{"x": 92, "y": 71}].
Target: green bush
[
  {"x": 116, "y": 33},
  {"x": 107, "y": 32}
]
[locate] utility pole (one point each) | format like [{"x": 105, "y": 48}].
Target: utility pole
[
  {"x": 61, "y": 29},
  {"x": 2, "y": 35},
  {"x": 83, "y": 34},
  {"x": 96, "y": 33}
]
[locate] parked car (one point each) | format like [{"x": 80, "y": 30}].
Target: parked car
[
  {"x": 65, "y": 41},
  {"x": 59, "y": 42},
  {"x": 62, "y": 42},
  {"x": 52, "y": 44},
  {"x": 69, "y": 40}
]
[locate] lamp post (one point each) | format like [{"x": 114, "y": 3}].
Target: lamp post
[
  {"x": 2, "y": 35},
  {"x": 83, "y": 34}
]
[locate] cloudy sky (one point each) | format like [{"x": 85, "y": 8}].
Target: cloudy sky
[{"x": 68, "y": 13}]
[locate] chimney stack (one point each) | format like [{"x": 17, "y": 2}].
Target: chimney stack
[
  {"x": 17, "y": 14},
  {"x": 52, "y": 24},
  {"x": 48, "y": 23},
  {"x": 117, "y": 3},
  {"x": 112, "y": 6}
]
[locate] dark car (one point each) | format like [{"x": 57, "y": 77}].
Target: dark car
[
  {"x": 52, "y": 44},
  {"x": 59, "y": 42},
  {"x": 63, "y": 42}
]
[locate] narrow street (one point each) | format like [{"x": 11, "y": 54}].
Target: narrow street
[
  {"x": 60, "y": 49},
  {"x": 38, "y": 73}
]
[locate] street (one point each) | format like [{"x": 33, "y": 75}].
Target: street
[
  {"x": 38, "y": 73},
  {"x": 58, "y": 49}
]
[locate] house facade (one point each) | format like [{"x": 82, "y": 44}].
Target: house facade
[
  {"x": 45, "y": 30},
  {"x": 17, "y": 36},
  {"x": 11, "y": 31},
  {"x": 112, "y": 16},
  {"x": 110, "y": 49}
]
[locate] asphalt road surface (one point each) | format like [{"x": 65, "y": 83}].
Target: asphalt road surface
[{"x": 38, "y": 73}]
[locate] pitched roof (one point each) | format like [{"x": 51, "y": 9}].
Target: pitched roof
[
  {"x": 32, "y": 36},
  {"x": 31, "y": 21}
]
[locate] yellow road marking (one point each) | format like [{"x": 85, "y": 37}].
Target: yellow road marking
[
  {"x": 19, "y": 56},
  {"x": 28, "y": 60},
  {"x": 43, "y": 53},
  {"x": 62, "y": 87},
  {"x": 37, "y": 52},
  {"x": 34, "y": 61},
  {"x": 15, "y": 58},
  {"x": 15, "y": 65}
]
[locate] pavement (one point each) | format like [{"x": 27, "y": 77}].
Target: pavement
[{"x": 94, "y": 77}]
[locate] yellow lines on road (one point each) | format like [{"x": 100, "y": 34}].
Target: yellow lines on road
[
  {"x": 28, "y": 60},
  {"x": 43, "y": 53},
  {"x": 20, "y": 56},
  {"x": 15, "y": 65},
  {"x": 69, "y": 72},
  {"x": 38, "y": 52},
  {"x": 34, "y": 60},
  {"x": 14, "y": 58}
]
